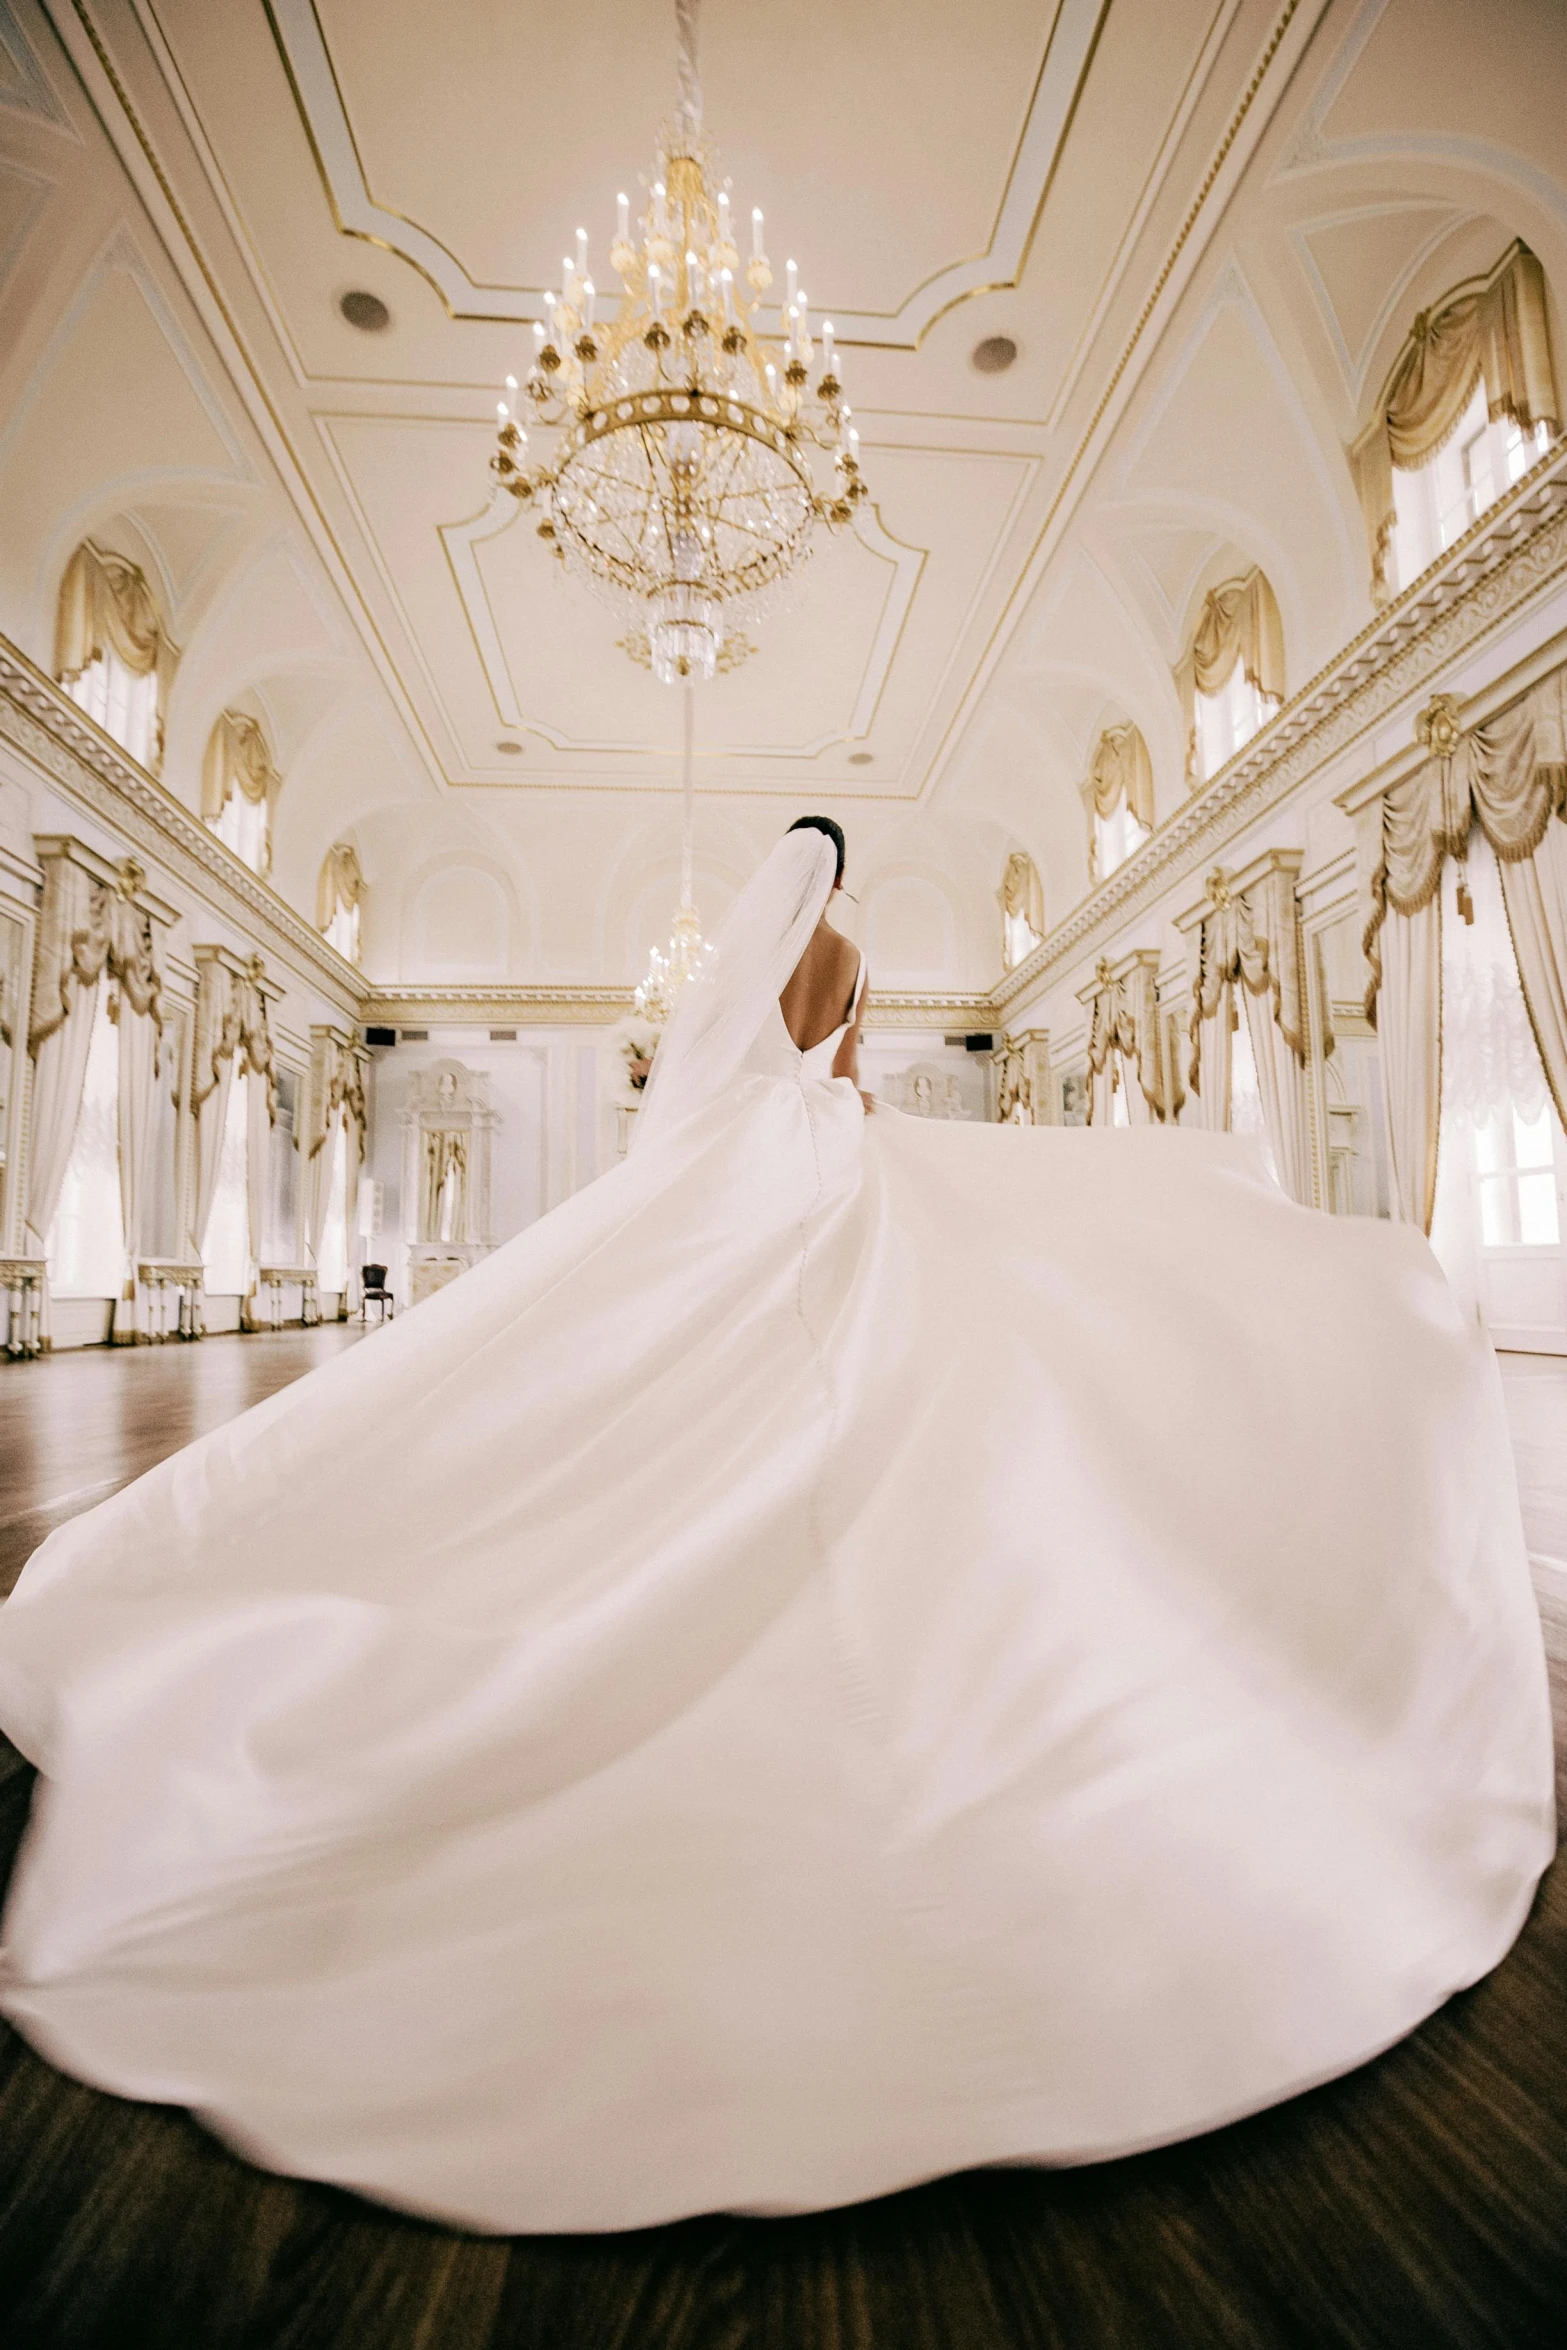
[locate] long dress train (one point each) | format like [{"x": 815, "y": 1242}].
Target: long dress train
[{"x": 853, "y": 1648}]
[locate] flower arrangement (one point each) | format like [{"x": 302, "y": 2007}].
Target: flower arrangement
[{"x": 635, "y": 1041}]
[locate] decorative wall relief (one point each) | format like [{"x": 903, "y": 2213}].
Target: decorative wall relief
[
  {"x": 448, "y": 1128},
  {"x": 925, "y": 1090}
]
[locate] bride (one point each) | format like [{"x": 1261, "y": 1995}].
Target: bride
[{"x": 852, "y": 1649}]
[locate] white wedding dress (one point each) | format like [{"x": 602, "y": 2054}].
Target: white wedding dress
[{"x": 853, "y": 1648}]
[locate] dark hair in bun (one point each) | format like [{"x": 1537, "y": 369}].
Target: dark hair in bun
[{"x": 833, "y": 831}]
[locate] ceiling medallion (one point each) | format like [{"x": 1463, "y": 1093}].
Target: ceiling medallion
[{"x": 694, "y": 463}]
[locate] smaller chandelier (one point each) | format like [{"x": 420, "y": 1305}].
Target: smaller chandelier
[
  {"x": 668, "y": 976},
  {"x": 695, "y": 460}
]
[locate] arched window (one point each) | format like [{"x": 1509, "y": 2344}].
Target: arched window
[
  {"x": 340, "y": 893},
  {"x": 112, "y": 653},
  {"x": 239, "y": 787},
  {"x": 1470, "y": 404},
  {"x": 1231, "y": 680},
  {"x": 1118, "y": 795},
  {"x": 1022, "y": 910}
]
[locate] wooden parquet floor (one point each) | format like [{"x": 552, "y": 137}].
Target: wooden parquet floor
[{"x": 1421, "y": 2204}]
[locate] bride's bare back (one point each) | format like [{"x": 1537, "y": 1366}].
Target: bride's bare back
[{"x": 819, "y": 996}]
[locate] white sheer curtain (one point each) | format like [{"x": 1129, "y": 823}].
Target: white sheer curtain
[
  {"x": 86, "y": 1246},
  {"x": 226, "y": 1237},
  {"x": 59, "y": 1073},
  {"x": 1281, "y": 1098},
  {"x": 95, "y": 959},
  {"x": 1535, "y": 891},
  {"x": 1493, "y": 1080},
  {"x": 332, "y": 1254},
  {"x": 212, "y": 1112},
  {"x": 1209, "y": 1077},
  {"x": 258, "y": 1156},
  {"x": 139, "y": 1039},
  {"x": 1409, "y": 1025}
]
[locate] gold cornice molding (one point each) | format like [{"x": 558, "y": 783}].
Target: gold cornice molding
[
  {"x": 1505, "y": 561},
  {"x": 509, "y": 1004},
  {"x": 41, "y": 722},
  {"x": 321, "y": 104},
  {"x": 520, "y": 1004}
]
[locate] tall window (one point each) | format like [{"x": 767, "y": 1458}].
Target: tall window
[
  {"x": 226, "y": 1248},
  {"x": 332, "y": 1261},
  {"x": 280, "y": 1223},
  {"x": 1470, "y": 404},
  {"x": 1436, "y": 503},
  {"x": 239, "y": 787},
  {"x": 1227, "y": 720},
  {"x": 1232, "y": 678},
  {"x": 1501, "y": 1190},
  {"x": 339, "y": 896},
  {"x": 1118, "y": 795},
  {"x": 1022, "y": 910},
  {"x": 86, "y": 1245},
  {"x": 1515, "y": 1163},
  {"x": 112, "y": 652}
]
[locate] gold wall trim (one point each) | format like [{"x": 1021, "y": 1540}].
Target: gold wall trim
[
  {"x": 64, "y": 745},
  {"x": 1516, "y": 550},
  {"x": 322, "y": 105},
  {"x": 521, "y": 1003}
]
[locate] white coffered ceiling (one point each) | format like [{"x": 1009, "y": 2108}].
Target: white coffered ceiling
[{"x": 940, "y": 175}]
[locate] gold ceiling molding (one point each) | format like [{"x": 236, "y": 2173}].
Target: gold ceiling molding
[
  {"x": 1516, "y": 549},
  {"x": 1228, "y": 160},
  {"x": 906, "y": 565},
  {"x": 323, "y": 112},
  {"x": 59, "y": 739},
  {"x": 522, "y": 1003}
]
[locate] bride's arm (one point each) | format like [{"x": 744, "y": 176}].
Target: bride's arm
[{"x": 846, "y": 1060}]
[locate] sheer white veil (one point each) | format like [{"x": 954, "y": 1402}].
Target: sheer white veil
[{"x": 721, "y": 1013}]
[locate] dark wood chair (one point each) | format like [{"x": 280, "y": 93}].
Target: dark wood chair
[{"x": 374, "y": 1292}]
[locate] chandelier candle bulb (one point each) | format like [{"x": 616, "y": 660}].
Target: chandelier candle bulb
[
  {"x": 684, "y": 484},
  {"x": 827, "y": 365}
]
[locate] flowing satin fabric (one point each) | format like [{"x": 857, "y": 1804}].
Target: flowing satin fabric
[{"x": 853, "y": 1648}]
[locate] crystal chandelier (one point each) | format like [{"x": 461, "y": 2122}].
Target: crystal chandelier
[{"x": 694, "y": 462}]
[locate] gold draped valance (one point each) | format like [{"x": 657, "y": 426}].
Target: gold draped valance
[
  {"x": 1493, "y": 331},
  {"x": 1508, "y": 775},
  {"x": 1121, "y": 770},
  {"x": 231, "y": 1017},
  {"x": 88, "y": 927},
  {"x": 341, "y": 886},
  {"x": 106, "y": 606},
  {"x": 1124, "y": 1018},
  {"x": 238, "y": 758},
  {"x": 1238, "y": 626},
  {"x": 1251, "y": 938},
  {"x": 1021, "y": 893},
  {"x": 337, "y": 1084}
]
